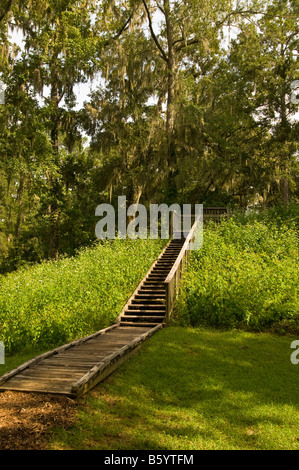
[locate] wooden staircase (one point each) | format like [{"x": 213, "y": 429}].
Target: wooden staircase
[{"x": 147, "y": 306}]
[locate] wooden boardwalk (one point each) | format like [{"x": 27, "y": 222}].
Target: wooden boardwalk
[{"x": 75, "y": 368}]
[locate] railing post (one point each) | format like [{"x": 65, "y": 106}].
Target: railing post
[{"x": 167, "y": 303}]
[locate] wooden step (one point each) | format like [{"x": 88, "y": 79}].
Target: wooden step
[
  {"x": 147, "y": 318},
  {"x": 144, "y": 308},
  {"x": 167, "y": 262},
  {"x": 154, "y": 300},
  {"x": 162, "y": 271},
  {"x": 139, "y": 324},
  {"x": 157, "y": 274},
  {"x": 150, "y": 290},
  {"x": 148, "y": 306},
  {"x": 156, "y": 277},
  {"x": 153, "y": 283},
  {"x": 162, "y": 267},
  {"x": 159, "y": 289},
  {"x": 145, "y": 294}
]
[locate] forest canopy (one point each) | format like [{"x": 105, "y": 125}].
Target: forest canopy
[{"x": 187, "y": 102}]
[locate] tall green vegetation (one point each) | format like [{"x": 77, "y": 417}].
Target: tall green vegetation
[
  {"x": 245, "y": 275},
  {"x": 191, "y": 103},
  {"x": 58, "y": 301}
]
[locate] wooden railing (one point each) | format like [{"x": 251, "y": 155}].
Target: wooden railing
[
  {"x": 172, "y": 282},
  {"x": 215, "y": 213}
]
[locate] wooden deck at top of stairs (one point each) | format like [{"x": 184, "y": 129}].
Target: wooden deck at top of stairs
[{"x": 76, "y": 367}]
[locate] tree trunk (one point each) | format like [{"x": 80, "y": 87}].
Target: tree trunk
[
  {"x": 171, "y": 190},
  {"x": 284, "y": 132},
  {"x": 54, "y": 183},
  {"x": 20, "y": 208},
  {"x": 54, "y": 233},
  {"x": 133, "y": 196},
  {"x": 285, "y": 191}
]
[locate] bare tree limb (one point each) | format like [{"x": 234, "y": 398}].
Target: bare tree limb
[
  {"x": 153, "y": 33},
  {"x": 120, "y": 31},
  {"x": 160, "y": 7}
]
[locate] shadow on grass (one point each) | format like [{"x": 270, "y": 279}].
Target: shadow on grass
[{"x": 195, "y": 389}]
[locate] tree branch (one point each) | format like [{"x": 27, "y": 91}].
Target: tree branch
[
  {"x": 153, "y": 33},
  {"x": 5, "y": 10},
  {"x": 120, "y": 31},
  {"x": 236, "y": 13},
  {"x": 220, "y": 23},
  {"x": 186, "y": 43},
  {"x": 160, "y": 7}
]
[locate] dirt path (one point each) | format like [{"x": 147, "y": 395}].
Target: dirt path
[{"x": 26, "y": 419}]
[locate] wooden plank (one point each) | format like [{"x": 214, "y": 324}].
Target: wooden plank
[
  {"x": 75, "y": 364},
  {"x": 103, "y": 374},
  {"x": 49, "y": 368},
  {"x": 73, "y": 361},
  {"x": 41, "y": 379},
  {"x": 51, "y": 353},
  {"x": 58, "y": 390},
  {"x": 94, "y": 374},
  {"x": 68, "y": 374}
]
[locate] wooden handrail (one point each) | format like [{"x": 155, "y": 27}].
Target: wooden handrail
[
  {"x": 172, "y": 282},
  {"x": 181, "y": 254}
]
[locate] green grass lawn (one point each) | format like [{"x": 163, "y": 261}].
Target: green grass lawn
[{"x": 194, "y": 389}]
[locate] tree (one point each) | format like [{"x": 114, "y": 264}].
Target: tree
[
  {"x": 121, "y": 119},
  {"x": 190, "y": 34},
  {"x": 61, "y": 50},
  {"x": 264, "y": 60}
]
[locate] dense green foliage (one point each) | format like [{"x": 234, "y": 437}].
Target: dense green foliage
[
  {"x": 245, "y": 275},
  {"x": 55, "y": 302},
  {"x": 186, "y": 102}
]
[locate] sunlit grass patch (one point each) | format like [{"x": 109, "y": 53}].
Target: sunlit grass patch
[{"x": 194, "y": 389}]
